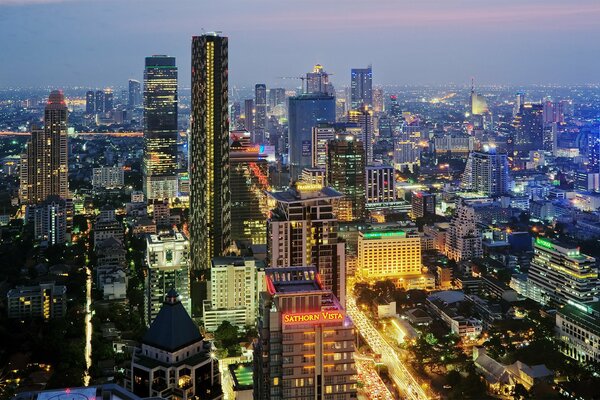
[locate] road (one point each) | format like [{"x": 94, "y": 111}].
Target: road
[
  {"x": 88, "y": 326},
  {"x": 374, "y": 388},
  {"x": 407, "y": 384}
]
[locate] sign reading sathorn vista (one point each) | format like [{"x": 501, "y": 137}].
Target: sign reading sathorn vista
[{"x": 317, "y": 317}]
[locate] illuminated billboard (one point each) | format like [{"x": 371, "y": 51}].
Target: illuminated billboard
[{"x": 317, "y": 317}]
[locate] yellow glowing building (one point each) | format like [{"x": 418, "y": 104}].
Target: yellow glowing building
[{"x": 390, "y": 254}]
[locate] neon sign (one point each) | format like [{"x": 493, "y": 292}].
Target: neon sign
[{"x": 318, "y": 317}]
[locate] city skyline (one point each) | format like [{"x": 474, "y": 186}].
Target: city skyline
[{"x": 446, "y": 41}]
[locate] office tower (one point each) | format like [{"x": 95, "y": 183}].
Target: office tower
[
  {"x": 90, "y": 102},
  {"x": 160, "y": 128},
  {"x": 322, "y": 134},
  {"x": 363, "y": 118},
  {"x": 305, "y": 112},
  {"x": 174, "y": 361},
  {"x": 317, "y": 81},
  {"x": 45, "y": 300},
  {"x": 395, "y": 109},
  {"x": 50, "y": 221},
  {"x": 548, "y": 112},
  {"x": 529, "y": 128},
  {"x": 302, "y": 325},
  {"x": 260, "y": 114},
  {"x": 578, "y": 330},
  {"x": 560, "y": 274},
  {"x": 593, "y": 151},
  {"x": 99, "y": 102},
  {"x": 385, "y": 253},
  {"x": 248, "y": 180},
  {"x": 479, "y": 104},
  {"x": 378, "y": 105},
  {"x": 346, "y": 174},
  {"x": 44, "y": 165},
  {"x": 380, "y": 184},
  {"x": 168, "y": 261},
  {"x": 463, "y": 238},
  {"x": 249, "y": 115},
  {"x": 108, "y": 100},
  {"x": 422, "y": 205},
  {"x": 210, "y": 203},
  {"x": 407, "y": 150},
  {"x": 134, "y": 98},
  {"x": 276, "y": 97},
  {"x": 519, "y": 102},
  {"x": 486, "y": 172},
  {"x": 302, "y": 231},
  {"x": 361, "y": 87},
  {"x": 236, "y": 284}
]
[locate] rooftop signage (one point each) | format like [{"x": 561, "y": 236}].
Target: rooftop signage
[{"x": 318, "y": 317}]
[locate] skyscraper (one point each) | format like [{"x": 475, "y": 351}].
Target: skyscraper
[
  {"x": 322, "y": 134},
  {"x": 99, "y": 102},
  {"x": 160, "y": 128},
  {"x": 463, "y": 240},
  {"x": 135, "y": 94},
  {"x": 90, "y": 102},
  {"x": 260, "y": 114},
  {"x": 317, "y": 81},
  {"x": 108, "y": 100},
  {"x": 529, "y": 128},
  {"x": 346, "y": 174},
  {"x": 361, "y": 86},
  {"x": 363, "y": 118},
  {"x": 305, "y": 112},
  {"x": 486, "y": 172},
  {"x": 210, "y": 202},
  {"x": 44, "y": 165},
  {"x": 249, "y": 115}
]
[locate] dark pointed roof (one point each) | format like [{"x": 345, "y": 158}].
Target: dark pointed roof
[{"x": 173, "y": 328}]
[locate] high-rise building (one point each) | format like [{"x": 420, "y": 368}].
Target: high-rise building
[
  {"x": 519, "y": 102},
  {"x": 486, "y": 172},
  {"x": 260, "y": 114},
  {"x": 479, "y": 104},
  {"x": 276, "y": 98},
  {"x": 346, "y": 174},
  {"x": 174, "y": 361},
  {"x": 422, "y": 204},
  {"x": 160, "y": 128},
  {"x": 322, "y": 134},
  {"x": 305, "y": 112},
  {"x": 210, "y": 202},
  {"x": 248, "y": 180},
  {"x": 363, "y": 118},
  {"x": 381, "y": 184},
  {"x": 305, "y": 340},
  {"x": 168, "y": 261},
  {"x": 529, "y": 128},
  {"x": 90, "y": 102},
  {"x": 561, "y": 274},
  {"x": 378, "y": 104},
  {"x": 463, "y": 238},
  {"x": 388, "y": 254},
  {"x": 303, "y": 231},
  {"x": 45, "y": 300},
  {"x": 236, "y": 284},
  {"x": 134, "y": 98},
  {"x": 578, "y": 329},
  {"x": 50, "y": 221},
  {"x": 317, "y": 81},
  {"x": 109, "y": 101},
  {"x": 361, "y": 86},
  {"x": 249, "y": 115},
  {"x": 99, "y": 108},
  {"x": 44, "y": 165}
]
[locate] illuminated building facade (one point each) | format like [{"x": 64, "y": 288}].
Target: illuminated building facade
[
  {"x": 210, "y": 203},
  {"x": 260, "y": 113},
  {"x": 388, "y": 253},
  {"x": 90, "y": 102},
  {"x": 160, "y": 128},
  {"x": 45, "y": 300},
  {"x": 378, "y": 104},
  {"x": 322, "y": 134},
  {"x": 134, "y": 94},
  {"x": 303, "y": 231},
  {"x": 168, "y": 261},
  {"x": 346, "y": 174},
  {"x": 529, "y": 128},
  {"x": 50, "y": 221},
  {"x": 578, "y": 329},
  {"x": 463, "y": 237},
  {"x": 560, "y": 274},
  {"x": 305, "y": 340},
  {"x": 407, "y": 150},
  {"x": 44, "y": 165},
  {"x": 363, "y": 118},
  {"x": 422, "y": 204},
  {"x": 235, "y": 283},
  {"x": 249, "y": 115},
  {"x": 381, "y": 184},
  {"x": 317, "y": 81},
  {"x": 361, "y": 87},
  {"x": 248, "y": 180},
  {"x": 305, "y": 112},
  {"x": 173, "y": 361},
  {"x": 486, "y": 172}
]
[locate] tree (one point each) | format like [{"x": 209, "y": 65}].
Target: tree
[
  {"x": 519, "y": 392},
  {"x": 226, "y": 335}
]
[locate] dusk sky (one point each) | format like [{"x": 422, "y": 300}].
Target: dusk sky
[{"x": 96, "y": 43}]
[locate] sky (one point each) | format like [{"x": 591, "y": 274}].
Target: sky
[{"x": 98, "y": 43}]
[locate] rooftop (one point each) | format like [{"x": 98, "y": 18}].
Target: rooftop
[{"x": 242, "y": 376}]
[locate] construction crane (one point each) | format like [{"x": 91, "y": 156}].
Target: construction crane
[{"x": 302, "y": 78}]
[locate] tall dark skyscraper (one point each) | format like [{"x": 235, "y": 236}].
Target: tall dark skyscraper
[
  {"x": 260, "y": 115},
  {"x": 361, "y": 87},
  {"x": 249, "y": 115},
  {"x": 99, "y": 102},
  {"x": 346, "y": 174},
  {"x": 90, "y": 102},
  {"x": 529, "y": 128},
  {"x": 160, "y": 128},
  {"x": 108, "y": 100},
  {"x": 210, "y": 202},
  {"x": 44, "y": 165},
  {"x": 305, "y": 112},
  {"x": 135, "y": 94}
]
